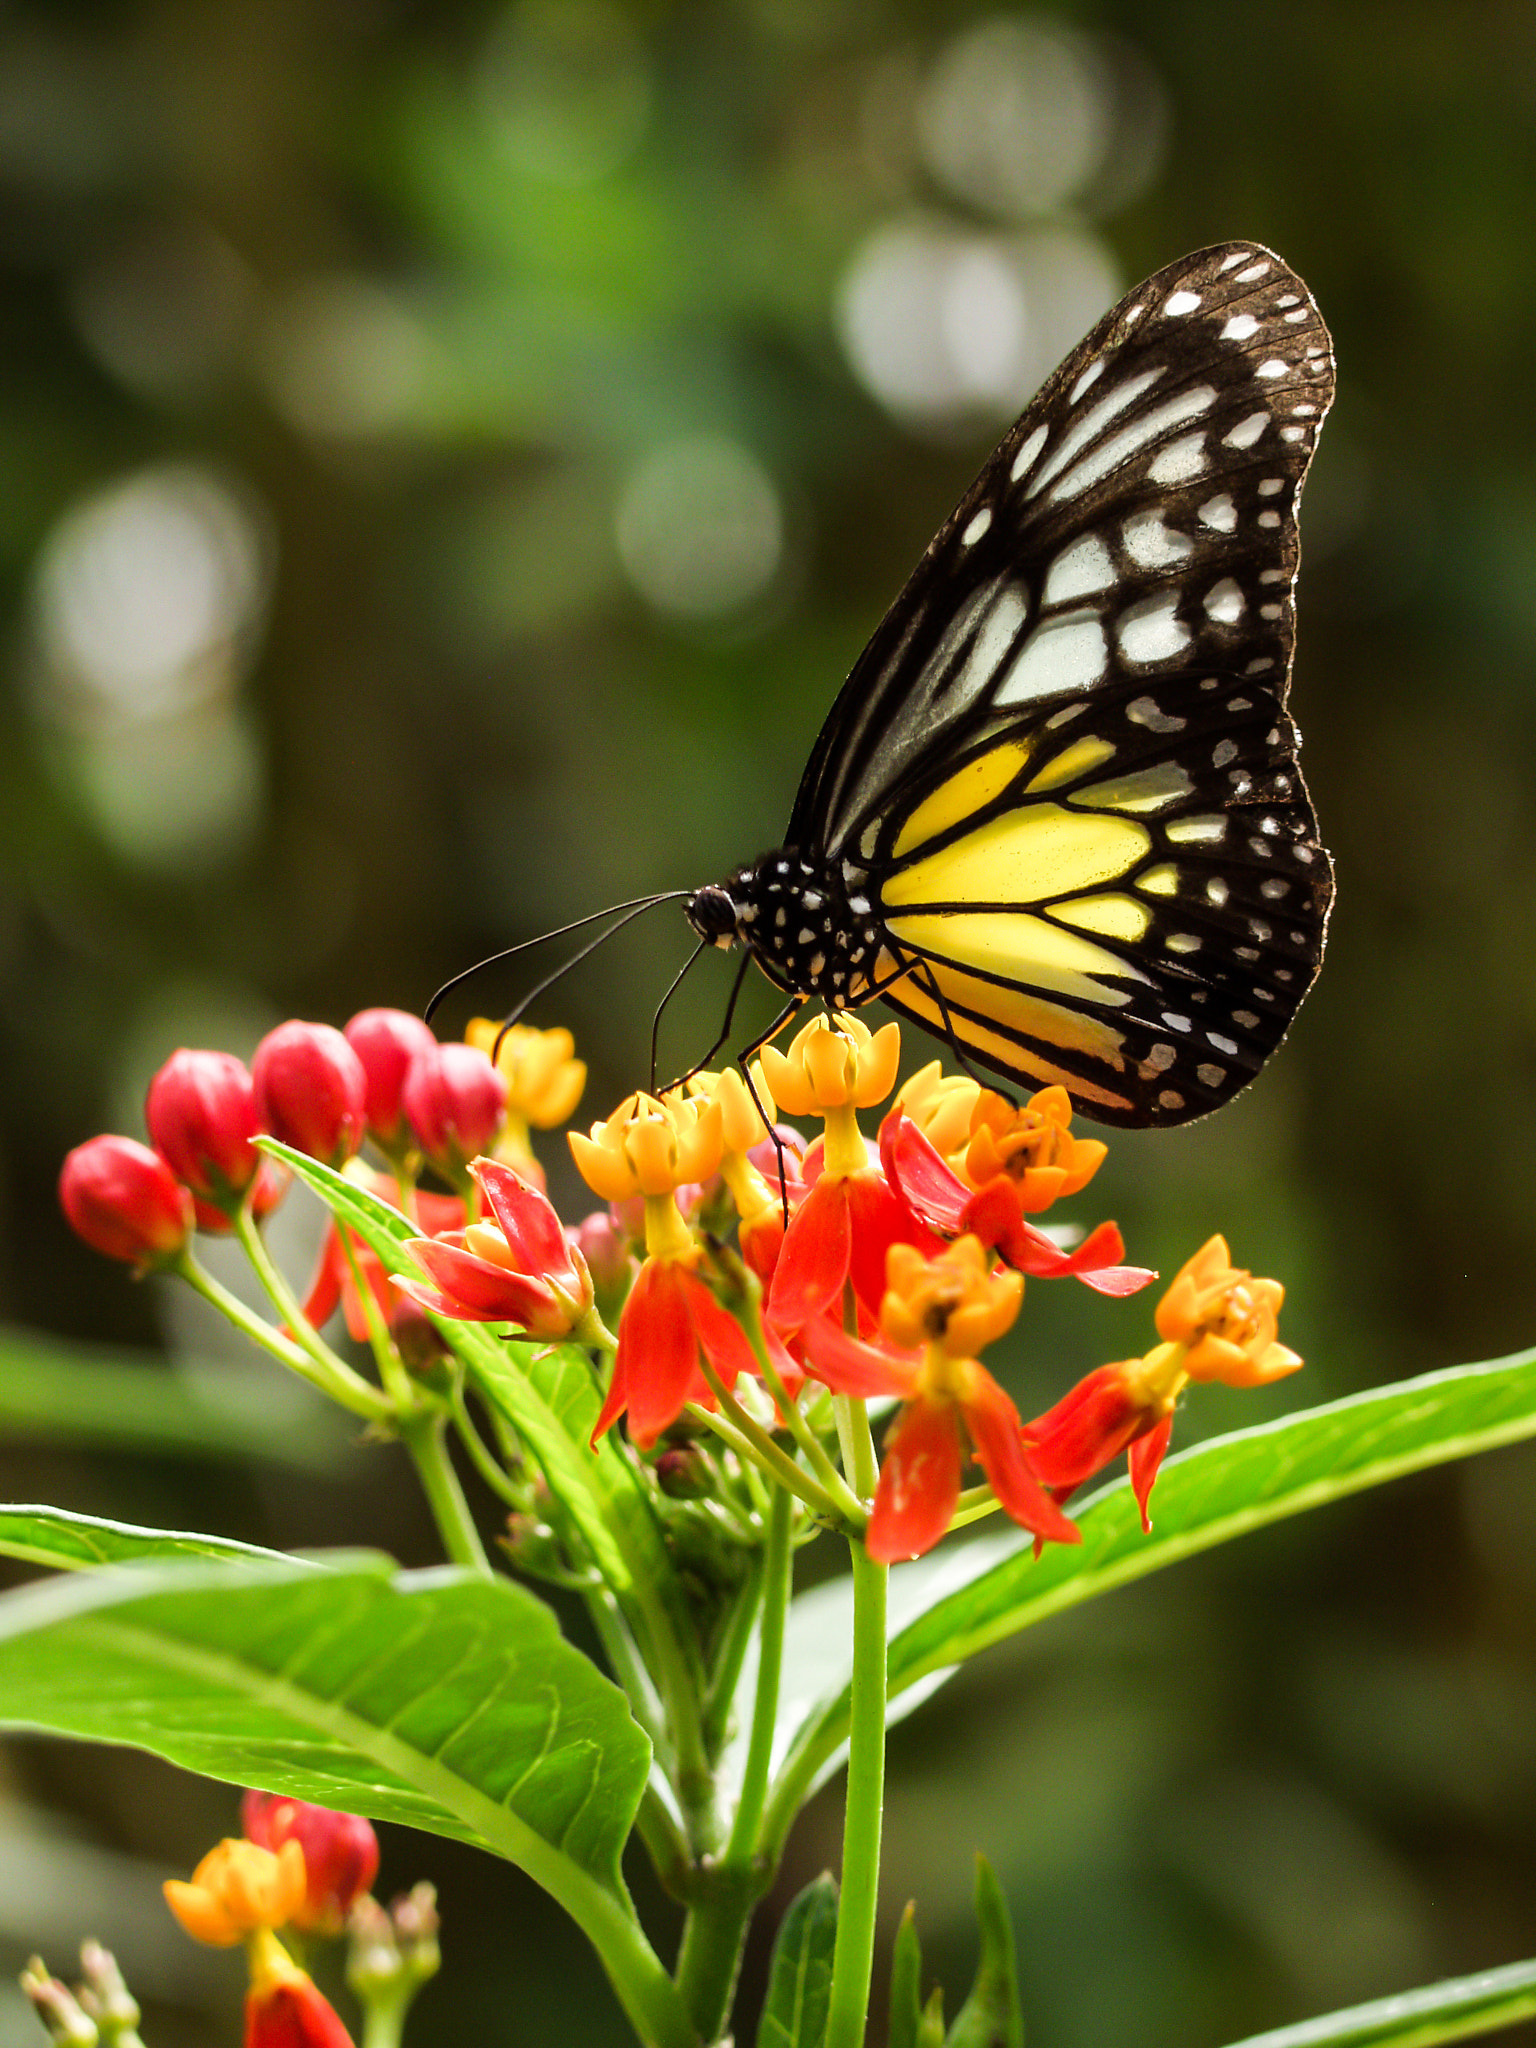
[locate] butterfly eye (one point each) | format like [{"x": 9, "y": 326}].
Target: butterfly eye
[{"x": 713, "y": 914}]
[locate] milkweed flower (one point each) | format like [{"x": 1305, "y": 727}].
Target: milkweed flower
[
  {"x": 284, "y": 2007},
  {"x": 201, "y": 1116},
  {"x": 454, "y": 1101},
  {"x": 760, "y": 1202},
  {"x": 237, "y": 1888},
  {"x": 652, "y": 1147},
  {"x": 1217, "y": 1323},
  {"x": 386, "y": 1042},
  {"x": 544, "y": 1081},
  {"x": 341, "y": 1854},
  {"x": 850, "y": 1216},
  {"x": 344, "y": 1255},
  {"x": 939, "y": 1313},
  {"x": 125, "y": 1201},
  {"x": 520, "y": 1267},
  {"x": 311, "y": 1090},
  {"x": 994, "y": 1212}
]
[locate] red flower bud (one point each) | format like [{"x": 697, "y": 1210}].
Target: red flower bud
[
  {"x": 124, "y": 1200},
  {"x": 291, "y": 2011},
  {"x": 386, "y": 1041},
  {"x": 201, "y": 1115},
  {"x": 311, "y": 1090},
  {"x": 273, "y": 1181},
  {"x": 341, "y": 1853},
  {"x": 455, "y": 1100}
]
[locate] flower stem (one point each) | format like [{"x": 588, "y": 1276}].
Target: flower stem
[
  {"x": 778, "y": 1571},
  {"x": 424, "y": 1436},
  {"x": 384, "y": 2017},
  {"x": 853, "y": 1955},
  {"x": 807, "y": 1439},
  {"x": 328, "y": 1372},
  {"x": 750, "y": 1440},
  {"x": 366, "y": 1402}
]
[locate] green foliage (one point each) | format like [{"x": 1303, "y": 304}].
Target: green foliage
[
  {"x": 1452, "y": 2011},
  {"x": 68, "y": 1542},
  {"x": 991, "y": 2017},
  {"x": 800, "y": 1982},
  {"x": 952, "y": 1605},
  {"x": 437, "y": 1699},
  {"x": 906, "y": 2011}
]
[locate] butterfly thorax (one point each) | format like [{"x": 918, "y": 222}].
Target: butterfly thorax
[{"x": 807, "y": 932}]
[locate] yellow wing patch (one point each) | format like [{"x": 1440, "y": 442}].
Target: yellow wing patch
[
  {"x": 1025, "y": 856},
  {"x": 1017, "y": 947},
  {"x": 1117, "y": 917},
  {"x": 963, "y": 794},
  {"x": 1147, "y": 789},
  {"x": 1045, "y": 1021},
  {"x": 1082, "y": 756}
]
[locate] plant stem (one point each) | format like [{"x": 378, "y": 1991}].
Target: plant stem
[
  {"x": 750, "y": 1440},
  {"x": 424, "y": 1436},
  {"x": 328, "y": 1372},
  {"x": 778, "y": 1570},
  {"x": 362, "y": 1399},
  {"x": 384, "y": 2018},
  {"x": 853, "y": 1955},
  {"x": 820, "y": 1464}
]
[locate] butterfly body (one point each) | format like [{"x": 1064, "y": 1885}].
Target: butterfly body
[{"x": 1055, "y": 814}]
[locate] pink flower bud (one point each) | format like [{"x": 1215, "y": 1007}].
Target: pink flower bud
[
  {"x": 311, "y": 1090},
  {"x": 386, "y": 1041},
  {"x": 124, "y": 1200},
  {"x": 273, "y": 1181},
  {"x": 201, "y": 1114},
  {"x": 454, "y": 1099},
  {"x": 341, "y": 1853},
  {"x": 605, "y": 1245}
]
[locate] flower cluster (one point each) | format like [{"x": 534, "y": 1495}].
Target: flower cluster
[
  {"x": 297, "y": 1866},
  {"x": 764, "y": 1282}
]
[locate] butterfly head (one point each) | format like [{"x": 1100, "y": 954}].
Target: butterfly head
[{"x": 716, "y": 915}]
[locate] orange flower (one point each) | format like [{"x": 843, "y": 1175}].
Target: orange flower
[
  {"x": 941, "y": 1106},
  {"x": 1033, "y": 1145},
  {"x": 938, "y": 1311},
  {"x": 238, "y": 1888},
  {"x": 1226, "y": 1319}
]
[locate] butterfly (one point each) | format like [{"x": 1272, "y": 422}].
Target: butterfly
[{"x": 1055, "y": 814}]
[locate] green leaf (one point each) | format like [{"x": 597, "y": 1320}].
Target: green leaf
[
  {"x": 67, "y": 1542},
  {"x": 906, "y": 1983},
  {"x": 122, "y": 1400},
  {"x": 546, "y": 1393},
  {"x": 1452, "y": 2011},
  {"x": 800, "y": 1981},
  {"x": 963, "y": 1599},
  {"x": 991, "y": 2017},
  {"x": 436, "y": 1698}
]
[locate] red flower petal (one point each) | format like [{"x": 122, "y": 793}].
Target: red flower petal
[
  {"x": 1088, "y": 1426},
  {"x": 919, "y": 1482},
  {"x": 925, "y": 1180},
  {"x": 878, "y": 1219},
  {"x": 813, "y": 1263},
  {"x": 998, "y": 1437},
  {"x": 658, "y": 1357},
  {"x": 528, "y": 1222},
  {"x": 848, "y": 1366},
  {"x": 1146, "y": 1458}
]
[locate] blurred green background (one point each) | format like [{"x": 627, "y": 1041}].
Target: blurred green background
[{"x": 449, "y": 456}]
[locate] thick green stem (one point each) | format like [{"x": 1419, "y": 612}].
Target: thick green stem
[
  {"x": 424, "y": 1436},
  {"x": 853, "y": 1955},
  {"x": 384, "y": 2017}
]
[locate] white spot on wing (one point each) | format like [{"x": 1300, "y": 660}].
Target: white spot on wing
[
  {"x": 977, "y": 526},
  {"x": 1027, "y": 453},
  {"x": 1152, "y": 545},
  {"x": 992, "y": 644},
  {"x": 1179, "y": 461},
  {"x": 1181, "y": 302},
  {"x": 1144, "y": 711},
  {"x": 1079, "y": 570},
  {"x": 1224, "y": 602},
  {"x": 1247, "y": 431},
  {"x": 1253, "y": 273},
  {"x": 1091, "y": 375},
  {"x": 1231, "y": 262},
  {"x": 1219, "y": 513},
  {"x": 1082, "y": 434},
  {"x": 1150, "y": 631},
  {"x": 1276, "y": 366},
  {"x": 1064, "y": 653},
  {"x": 1239, "y": 327}
]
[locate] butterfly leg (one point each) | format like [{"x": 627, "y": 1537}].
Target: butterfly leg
[
  {"x": 744, "y": 1061},
  {"x": 725, "y": 1028},
  {"x": 676, "y": 983}
]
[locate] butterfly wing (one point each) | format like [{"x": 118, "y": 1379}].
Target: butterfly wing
[{"x": 1062, "y": 770}]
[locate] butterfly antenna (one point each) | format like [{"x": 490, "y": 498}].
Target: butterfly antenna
[
  {"x": 744, "y": 1061},
  {"x": 636, "y": 904},
  {"x": 631, "y": 912},
  {"x": 676, "y": 983}
]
